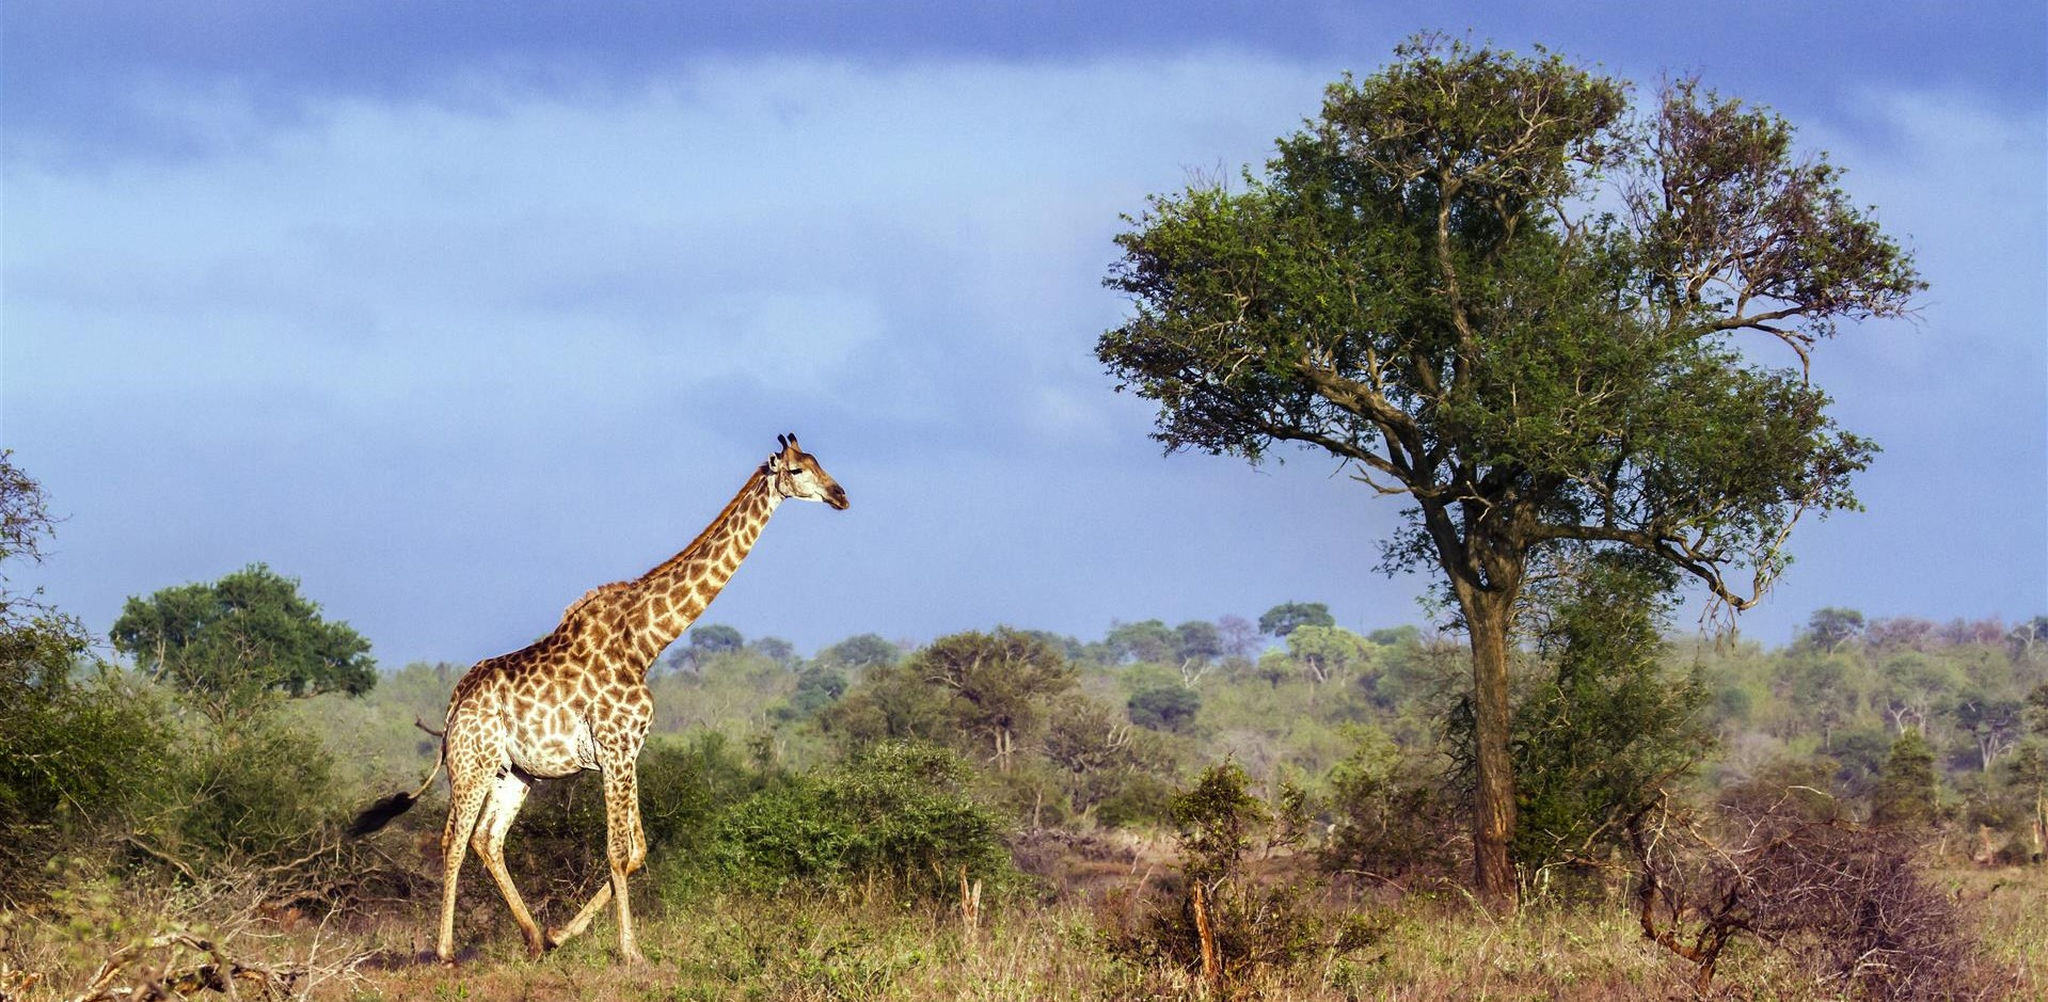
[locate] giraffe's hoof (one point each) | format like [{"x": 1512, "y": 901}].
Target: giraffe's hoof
[{"x": 553, "y": 940}]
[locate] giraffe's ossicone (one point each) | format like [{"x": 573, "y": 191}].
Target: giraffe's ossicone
[{"x": 577, "y": 699}]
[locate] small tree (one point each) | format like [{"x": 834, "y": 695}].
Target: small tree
[
  {"x": 1831, "y": 627},
  {"x": 1197, "y": 640},
  {"x": 1285, "y": 618},
  {"x": 1147, "y": 640},
  {"x": 1164, "y": 707},
  {"x": 860, "y": 653},
  {"x": 226, "y": 644},
  {"x": 1599, "y": 740},
  {"x": 1217, "y": 819},
  {"x": 998, "y": 682},
  {"x": 1327, "y": 652},
  {"x": 78, "y": 742},
  {"x": 1905, "y": 794},
  {"x": 708, "y": 640},
  {"x": 1223, "y": 922}
]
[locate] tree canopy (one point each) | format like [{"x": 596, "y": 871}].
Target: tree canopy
[
  {"x": 251, "y": 632},
  {"x": 1489, "y": 286},
  {"x": 1285, "y": 618}
]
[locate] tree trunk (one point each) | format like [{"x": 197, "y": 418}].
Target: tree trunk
[{"x": 1487, "y": 615}]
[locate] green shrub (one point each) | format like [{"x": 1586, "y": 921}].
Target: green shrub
[
  {"x": 1905, "y": 793},
  {"x": 1141, "y": 800},
  {"x": 897, "y": 811},
  {"x": 1164, "y": 708},
  {"x": 1252, "y": 924},
  {"x": 686, "y": 786},
  {"x": 1390, "y": 814},
  {"x": 259, "y": 793},
  {"x": 77, "y": 754}
]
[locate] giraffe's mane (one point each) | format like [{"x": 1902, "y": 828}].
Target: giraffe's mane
[
  {"x": 696, "y": 545},
  {"x": 591, "y": 596}
]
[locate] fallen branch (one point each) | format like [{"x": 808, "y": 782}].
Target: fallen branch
[{"x": 222, "y": 973}]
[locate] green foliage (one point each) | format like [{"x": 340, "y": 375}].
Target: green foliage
[
  {"x": 1197, "y": 640},
  {"x": 260, "y": 792},
  {"x": 817, "y": 687},
  {"x": 1612, "y": 727},
  {"x": 1420, "y": 284},
  {"x": 1572, "y": 367},
  {"x": 1169, "y": 707},
  {"x": 1145, "y": 641},
  {"x": 859, "y": 653},
  {"x": 1285, "y": 618},
  {"x": 1104, "y": 764},
  {"x": 981, "y": 693},
  {"x": 734, "y": 692},
  {"x": 897, "y": 810},
  {"x": 775, "y": 649},
  {"x": 79, "y": 756},
  {"x": 1216, "y": 820},
  {"x": 80, "y": 743},
  {"x": 707, "y": 639},
  {"x": 1831, "y": 627},
  {"x": 1327, "y": 652},
  {"x": 1905, "y": 794},
  {"x": 227, "y": 644},
  {"x": 1141, "y": 801},
  {"x": 686, "y": 785},
  {"x": 1251, "y": 926},
  {"x": 1390, "y": 813}
]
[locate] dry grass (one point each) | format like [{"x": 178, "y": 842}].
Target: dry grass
[{"x": 847, "y": 947}]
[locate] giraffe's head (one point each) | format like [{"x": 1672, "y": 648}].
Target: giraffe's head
[{"x": 794, "y": 473}]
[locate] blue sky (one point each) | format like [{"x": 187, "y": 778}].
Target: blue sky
[{"x": 454, "y": 311}]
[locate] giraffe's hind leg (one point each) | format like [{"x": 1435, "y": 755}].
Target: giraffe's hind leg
[
  {"x": 562, "y": 934},
  {"x": 507, "y": 794},
  {"x": 466, "y": 803}
]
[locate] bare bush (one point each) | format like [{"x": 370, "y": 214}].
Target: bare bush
[
  {"x": 1847, "y": 903},
  {"x": 1224, "y": 915}
]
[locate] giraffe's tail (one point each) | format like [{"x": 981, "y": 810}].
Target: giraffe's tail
[{"x": 379, "y": 814}]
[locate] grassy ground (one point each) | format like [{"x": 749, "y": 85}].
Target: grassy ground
[{"x": 844, "y": 947}]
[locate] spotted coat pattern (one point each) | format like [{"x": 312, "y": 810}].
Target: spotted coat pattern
[{"x": 577, "y": 699}]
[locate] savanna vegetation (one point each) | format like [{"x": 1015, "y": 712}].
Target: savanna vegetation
[
  {"x": 1271, "y": 807},
  {"x": 1556, "y": 793}
]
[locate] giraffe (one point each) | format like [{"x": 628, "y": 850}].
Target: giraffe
[{"x": 577, "y": 699}]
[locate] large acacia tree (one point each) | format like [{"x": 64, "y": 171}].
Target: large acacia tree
[{"x": 1545, "y": 317}]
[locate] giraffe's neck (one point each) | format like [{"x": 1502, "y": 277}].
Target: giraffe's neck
[{"x": 663, "y": 603}]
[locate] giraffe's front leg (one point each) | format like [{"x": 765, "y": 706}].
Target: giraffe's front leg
[
  {"x": 626, "y": 848},
  {"x": 622, "y": 864}
]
